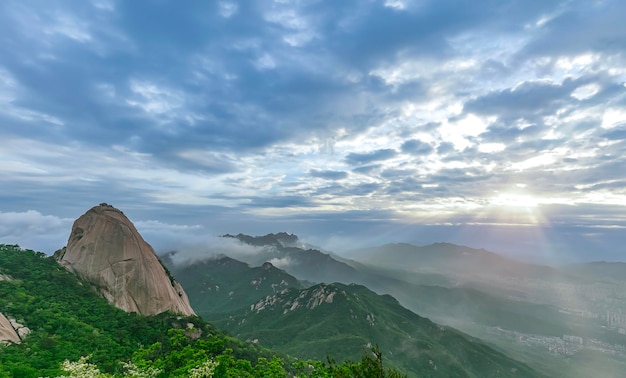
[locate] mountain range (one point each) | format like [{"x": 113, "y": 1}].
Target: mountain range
[
  {"x": 109, "y": 298},
  {"x": 335, "y": 320},
  {"x": 526, "y": 310}
]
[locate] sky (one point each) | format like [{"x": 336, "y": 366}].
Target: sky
[{"x": 497, "y": 124}]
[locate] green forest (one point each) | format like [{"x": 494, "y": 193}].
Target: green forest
[{"x": 76, "y": 333}]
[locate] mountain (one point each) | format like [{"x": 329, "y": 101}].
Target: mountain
[
  {"x": 76, "y": 329},
  {"x": 454, "y": 260},
  {"x": 442, "y": 298},
  {"x": 285, "y": 251},
  {"x": 281, "y": 239},
  {"x": 268, "y": 306},
  {"x": 221, "y": 285},
  {"x": 529, "y": 311},
  {"x": 599, "y": 271},
  {"x": 343, "y": 320},
  {"x": 106, "y": 250}
]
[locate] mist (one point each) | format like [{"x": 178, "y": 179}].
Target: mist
[{"x": 187, "y": 253}]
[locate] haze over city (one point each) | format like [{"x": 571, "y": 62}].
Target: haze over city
[{"x": 498, "y": 125}]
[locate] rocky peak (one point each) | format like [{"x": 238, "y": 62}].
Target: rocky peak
[
  {"x": 106, "y": 250},
  {"x": 281, "y": 239}
]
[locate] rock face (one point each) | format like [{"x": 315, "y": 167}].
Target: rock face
[
  {"x": 106, "y": 250},
  {"x": 7, "y": 332}
]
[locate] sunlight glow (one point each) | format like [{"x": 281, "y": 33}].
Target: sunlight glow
[
  {"x": 537, "y": 161},
  {"x": 515, "y": 200}
]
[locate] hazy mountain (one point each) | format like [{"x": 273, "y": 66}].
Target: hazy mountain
[
  {"x": 281, "y": 239},
  {"x": 563, "y": 319},
  {"x": 451, "y": 260},
  {"x": 224, "y": 290},
  {"x": 342, "y": 320},
  {"x": 285, "y": 251},
  {"x": 106, "y": 250},
  {"x": 528, "y": 310},
  {"x": 599, "y": 271},
  {"x": 436, "y": 295}
]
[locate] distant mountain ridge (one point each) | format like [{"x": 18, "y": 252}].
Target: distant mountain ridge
[
  {"x": 267, "y": 305},
  {"x": 439, "y": 293},
  {"x": 285, "y": 251},
  {"x": 449, "y": 258},
  {"x": 281, "y": 239},
  {"x": 480, "y": 292}
]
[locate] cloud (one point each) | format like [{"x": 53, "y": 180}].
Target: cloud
[
  {"x": 281, "y": 263},
  {"x": 616, "y": 134},
  {"x": 416, "y": 147},
  {"x": 328, "y": 174},
  {"x": 583, "y": 28},
  {"x": 33, "y": 230},
  {"x": 213, "y": 114},
  {"x": 370, "y": 157},
  {"x": 523, "y": 101},
  {"x": 190, "y": 252}
]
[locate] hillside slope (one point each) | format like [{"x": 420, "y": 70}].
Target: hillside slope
[
  {"x": 268, "y": 306},
  {"x": 68, "y": 320},
  {"x": 221, "y": 285},
  {"x": 341, "y": 321}
]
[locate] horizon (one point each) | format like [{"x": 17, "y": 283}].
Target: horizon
[{"x": 496, "y": 126}]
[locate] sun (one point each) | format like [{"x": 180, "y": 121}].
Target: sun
[
  {"x": 520, "y": 208},
  {"x": 515, "y": 200}
]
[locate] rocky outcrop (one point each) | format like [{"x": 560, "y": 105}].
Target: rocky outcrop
[
  {"x": 7, "y": 333},
  {"x": 106, "y": 250},
  {"x": 11, "y": 331}
]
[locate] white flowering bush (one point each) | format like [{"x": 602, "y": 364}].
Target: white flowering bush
[
  {"x": 205, "y": 370},
  {"x": 132, "y": 370},
  {"x": 82, "y": 369}
]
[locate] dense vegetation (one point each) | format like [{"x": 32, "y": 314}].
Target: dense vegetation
[
  {"x": 222, "y": 285},
  {"x": 268, "y": 306},
  {"x": 74, "y": 332}
]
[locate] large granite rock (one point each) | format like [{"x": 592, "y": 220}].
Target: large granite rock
[{"x": 106, "y": 250}]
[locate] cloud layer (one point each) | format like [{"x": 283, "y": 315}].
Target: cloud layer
[{"x": 322, "y": 117}]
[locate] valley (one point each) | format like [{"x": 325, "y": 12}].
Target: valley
[{"x": 554, "y": 319}]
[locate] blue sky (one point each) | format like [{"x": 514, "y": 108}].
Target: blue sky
[{"x": 496, "y": 124}]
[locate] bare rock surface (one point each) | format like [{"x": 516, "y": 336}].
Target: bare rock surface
[
  {"x": 105, "y": 249},
  {"x": 8, "y": 334}
]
